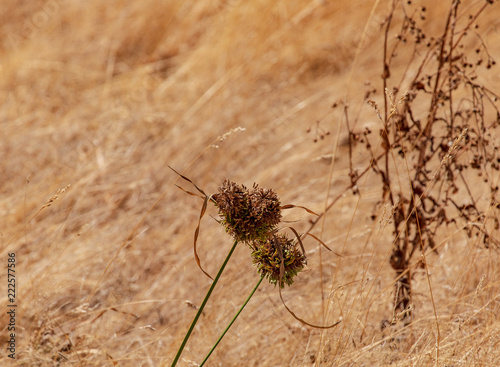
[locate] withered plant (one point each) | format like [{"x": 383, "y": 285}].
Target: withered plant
[
  {"x": 437, "y": 151},
  {"x": 252, "y": 216},
  {"x": 442, "y": 134}
]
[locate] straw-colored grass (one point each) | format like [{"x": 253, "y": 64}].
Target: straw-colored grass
[{"x": 103, "y": 96}]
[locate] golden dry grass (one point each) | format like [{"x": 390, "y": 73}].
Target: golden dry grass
[{"x": 103, "y": 95}]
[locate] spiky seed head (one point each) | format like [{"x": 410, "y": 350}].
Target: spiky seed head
[
  {"x": 248, "y": 215},
  {"x": 266, "y": 257},
  {"x": 266, "y": 206}
]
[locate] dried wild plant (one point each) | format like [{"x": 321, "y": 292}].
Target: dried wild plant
[
  {"x": 252, "y": 217},
  {"x": 461, "y": 119},
  {"x": 439, "y": 140}
]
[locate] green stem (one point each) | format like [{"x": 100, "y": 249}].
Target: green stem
[
  {"x": 232, "y": 322},
  {"x": 200, "y": 310}
]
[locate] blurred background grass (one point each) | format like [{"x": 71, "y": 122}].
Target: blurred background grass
[{"x": 103, "y": 95}]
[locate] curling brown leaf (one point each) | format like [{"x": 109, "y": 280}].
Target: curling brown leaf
[
  {"x": 305, "y": 322},
  {"x": 188, "y": 180},
  {"x": 290, "y": 206},
  {"x": 197, "y": 232}
]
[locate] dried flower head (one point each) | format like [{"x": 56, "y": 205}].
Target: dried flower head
[
  {"x": 248, "y": 215},
  {"x": 267, "y": 257}
]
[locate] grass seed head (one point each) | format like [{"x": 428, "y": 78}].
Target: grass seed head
[
  {"x": 266, "y": 257},
  {"x": 248, "y": 215}
]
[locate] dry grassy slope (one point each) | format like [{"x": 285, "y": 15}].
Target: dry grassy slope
[{"x": 103, "y": 95}]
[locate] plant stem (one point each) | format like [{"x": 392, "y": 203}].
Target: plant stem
[
  {"x": 232, "y": 322},
  {"x": 200, "y": 310}
]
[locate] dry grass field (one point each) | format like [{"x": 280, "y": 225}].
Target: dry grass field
[{"x": 97, "y": 98}]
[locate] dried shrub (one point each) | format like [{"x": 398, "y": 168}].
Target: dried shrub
[
  {"x": 437, "y": 152},
  {"x": 439, "y": 139}
]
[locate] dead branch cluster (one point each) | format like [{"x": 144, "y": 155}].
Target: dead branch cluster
[{"x": 439, "y": 137}]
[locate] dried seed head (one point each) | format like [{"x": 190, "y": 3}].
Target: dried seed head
[
  {"x": 248, "y": 215},
  {"x": 265, "y": 206},
  {"x": 266, "y": 257}
]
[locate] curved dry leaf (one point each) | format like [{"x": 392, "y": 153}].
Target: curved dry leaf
[
  {"x": 313, "y": 236},
  {"x": 197, "y": 232},
  {"x": 188, "y": 180},
  {"x": 300, "y": 241},
  {"x": 189, "y": 192},
  {"x": 282, "y": 262},
  {"x": 324, "y": 244},
  {"x": 282, "y": 267},
  {"x": 290, "y": 206},
  {"x": 305, "y": 322}
]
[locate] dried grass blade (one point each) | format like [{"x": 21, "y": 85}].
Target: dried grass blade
[
  {"x": 305, "y": 322},
  {"x": 324, "y": 244},
  {"x": 282, "y": 262},
  {"x": 188, "y": 180},
  {"x": 189, "y": 192},
  {"x": 290, "y": 206},
  {"x": 300, "y": 241},
  {"x": 197, "y": 232},
  {"x": 124, "y": 312},
  {"x": 98, "y": 316}
]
